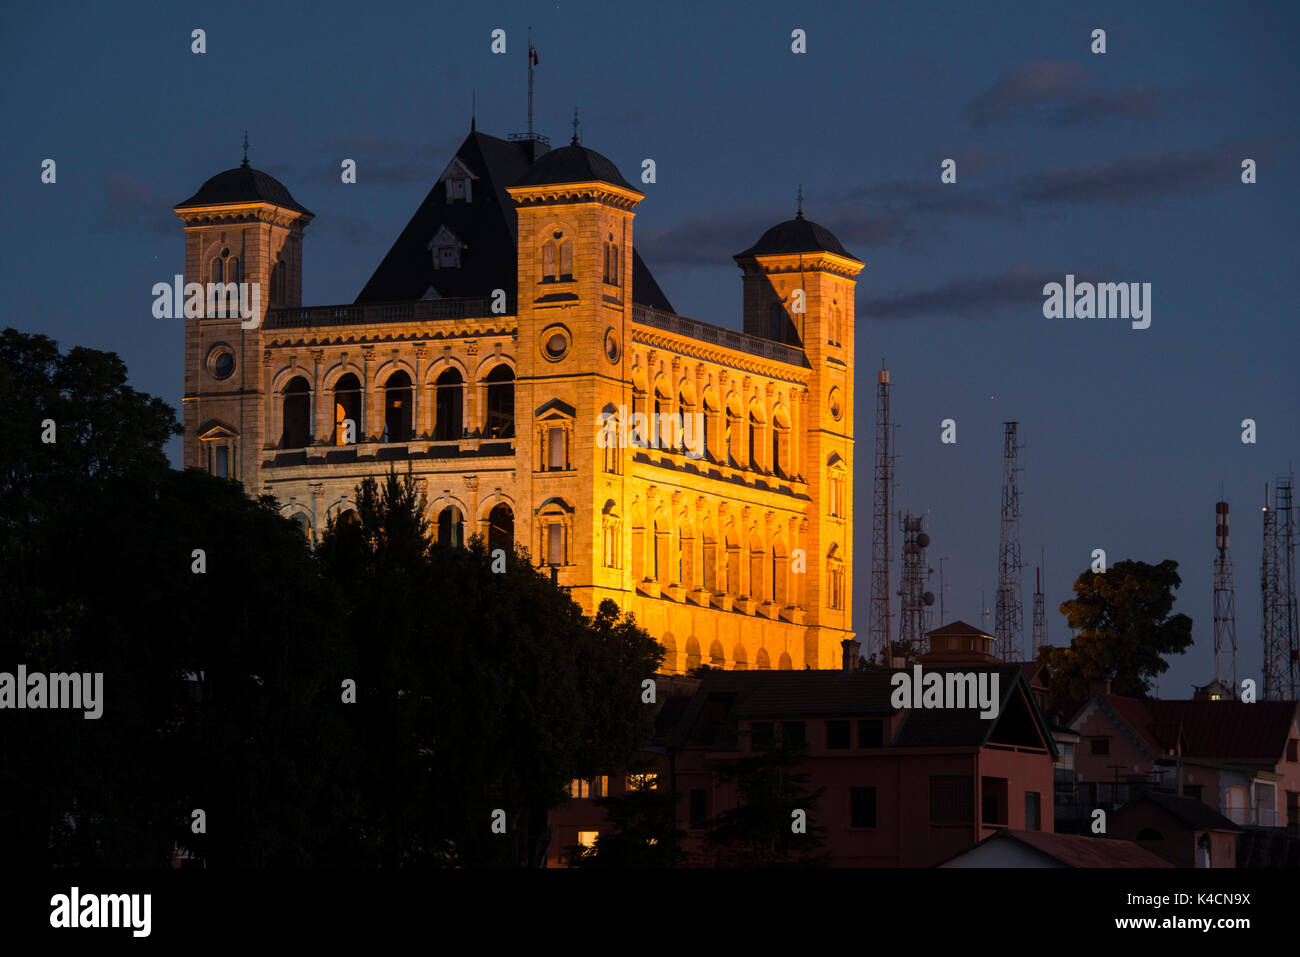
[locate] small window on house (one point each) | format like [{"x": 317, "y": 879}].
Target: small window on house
[
  {"x": 760, "y": 735},
  {"x": 837, "y": 735},
  {"x": 793, "y": 734},
  {"x": 862, "y": 807},
  {"x": 587, "y": 839},
  {"x": 1293, "y": 750},
  {"x": 448, "y": 257},
  {"x": 951, "y": 799},
  {"x": 1099, "y": 745},
  {"x": 579, "y": 788},
  {"x": 871, "y": 733}
]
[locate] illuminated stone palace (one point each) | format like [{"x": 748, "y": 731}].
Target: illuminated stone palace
[{"x": 511, "y": 316}]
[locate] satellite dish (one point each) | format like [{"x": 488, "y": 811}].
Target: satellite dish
[
  {"x": 928, "y": 598},
  {"x": 923, "y": 539}
]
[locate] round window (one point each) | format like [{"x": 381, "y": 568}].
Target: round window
[
  {"x": 837, "y": 406},
  {"x": 555, "y": 343},
  {"x": 221, "y": 362},
  {"x": 612, "y": 350}
]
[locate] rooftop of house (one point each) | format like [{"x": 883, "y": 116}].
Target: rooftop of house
[
  {"x": 1214, "y": 730},
  {"x": 1077, "y": 850}
]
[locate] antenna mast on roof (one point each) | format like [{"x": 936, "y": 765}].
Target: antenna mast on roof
[{"x": 532, "y": 62}]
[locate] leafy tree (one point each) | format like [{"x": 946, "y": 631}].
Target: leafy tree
[
  {"x": 759, "y": 832},
  {"x": 643, "y": 831},
  {"x": 1125, "y": 631},
  {"x": 477, "y": 691}
]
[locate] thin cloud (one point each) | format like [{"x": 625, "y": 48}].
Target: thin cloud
[
  {"x": 1062, "y": 93},
  {"x": 1143, "y": 179},
  {"x": 134, "y": 204}
]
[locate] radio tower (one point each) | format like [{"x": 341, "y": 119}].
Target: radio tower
[
  {"x": 878, "y": 625},
  {"x": 1009, "y": 627},
  {"x": 915, "y": 599},
  {"x": 1225, "y": 611},
  {"x": 1277, "y": 587},
  {"x": 1040, "y": 618}
]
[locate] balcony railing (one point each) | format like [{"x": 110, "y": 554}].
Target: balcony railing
[
  {"x": 1253, "y": 816},
  {"x": 728, "y": 338},
  {"x": 423, "y": 310}
]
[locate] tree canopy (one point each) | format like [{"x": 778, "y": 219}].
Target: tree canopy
[{"x": 1125, "y": 630}]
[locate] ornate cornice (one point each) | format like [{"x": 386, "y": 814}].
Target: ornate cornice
[{"x": 769, "y": 368}]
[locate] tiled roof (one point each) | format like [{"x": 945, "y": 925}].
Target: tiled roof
[
  {"x": 572, "y": 164},
  {"x": 724, "y": 698},
  {"x": 1077, "y": 850},
  {"x": 796, "y": 235},
  {"x": 1195, "y": 814},
  {"x": 1214, "y": 730},
  {"x": 240, "y": 185}
]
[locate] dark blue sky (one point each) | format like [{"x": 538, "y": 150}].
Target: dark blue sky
[{"x": 1122, "y": 167}]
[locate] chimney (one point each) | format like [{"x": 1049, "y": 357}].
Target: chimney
[{"x": 849, "y": 661}]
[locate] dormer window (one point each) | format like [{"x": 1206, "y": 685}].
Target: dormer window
[
  {"x": 445, "y": 249},
  {"x": 459, "y": 183}
]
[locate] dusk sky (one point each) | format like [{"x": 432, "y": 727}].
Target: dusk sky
[{"x": 1120, "y": 167}]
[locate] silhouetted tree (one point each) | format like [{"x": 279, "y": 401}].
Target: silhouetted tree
[{"x": 1125, "y": 630}]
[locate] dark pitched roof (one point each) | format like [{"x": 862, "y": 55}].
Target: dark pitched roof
[
  {"x": 572, "y": 164},
  {"x": 1214, "y": 730},
  {"x": 760, "y": 695},
  {"x": 487, "y": 230},
  {"x": 957, "y": 629},
  {"x": 241, "y": 185},
  {"x": 1078, "y": 850},
  {"x": 1195, "y": 814},
  {"x": 796, "y": 235}
]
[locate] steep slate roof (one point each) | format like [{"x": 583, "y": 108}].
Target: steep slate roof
[
  {"x": 487, "y": 229},
  {"x": 796, "y": 235},
  {"x": 1195, "y": 814},
  {"x": 241, "y": 185},
  {"x": 1214, "y": 730},
  {"x": 1078, "y": 850}
]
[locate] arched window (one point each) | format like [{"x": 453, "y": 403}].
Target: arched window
[
  {"x": 757, "y": 559},
  {"x": 449, "y": 397},
  {"x": 755, "y": 441},
  {"x": 500, "y": 403},
  {"x": 218, "y": 271},
  {"x": 761, "y": 661},
  {"x": 834, "y": 578},
  {"x": 347, "y": 410},
  {"x": 785, "y": 664},
  {"x": 612, "y": 538},
  {"x": 296, "y": 432},
  {"x": 451, "y": 527},
  {"x": 397, "y": 407},
  {"x": 501, "y": 528},
  {"x": 611, "y": 264},
  {"x": 566, "y": 261},
  {"x": 304, "y": 525},
  {"x": 692, "y": 654}
]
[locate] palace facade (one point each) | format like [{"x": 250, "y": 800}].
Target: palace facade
[{"x": 512, "y": 317}]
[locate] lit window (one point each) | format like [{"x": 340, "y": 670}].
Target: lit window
[
  {"x": 555, "y": 544},
  {"x": 587, "y": 839},
  {"x": 579, "y": 788},
  {"x": 643, "y": 782}
]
